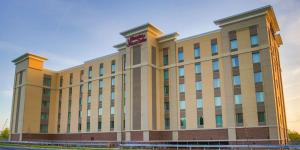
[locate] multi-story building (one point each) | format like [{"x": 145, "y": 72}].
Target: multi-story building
[{"x": 222, "y": 86}]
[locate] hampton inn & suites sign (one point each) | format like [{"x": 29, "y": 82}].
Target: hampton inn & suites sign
[{"x": 136, "y": 39}]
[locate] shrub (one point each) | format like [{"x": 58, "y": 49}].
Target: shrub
[
  {"x": 4, "y": 134},
  {"x": 294, "y": 136}
]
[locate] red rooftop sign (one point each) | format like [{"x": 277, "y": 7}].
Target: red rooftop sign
[{"x": 135, "y": 39}]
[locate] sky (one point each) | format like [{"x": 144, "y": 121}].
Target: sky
[{"x": 70, "y": 32}]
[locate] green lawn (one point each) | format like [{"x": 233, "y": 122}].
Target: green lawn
[
  {"x": 48, "y": 146},
  {"x": 2, "y": 139}
]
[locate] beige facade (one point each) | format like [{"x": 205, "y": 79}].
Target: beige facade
[{"x": 220, "y": 86}]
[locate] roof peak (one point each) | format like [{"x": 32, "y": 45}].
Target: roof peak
[
  {"x": 142, "y": 28},
  {"x": 268, "y": 9},
  {"x": 26, "y": 56}
]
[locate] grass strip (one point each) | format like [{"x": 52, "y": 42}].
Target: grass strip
[{"x": 50, "y": 146}]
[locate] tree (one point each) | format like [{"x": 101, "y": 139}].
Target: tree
[
  {"x": 294, "y": 136},
  {"x": 5, "y": 133}
]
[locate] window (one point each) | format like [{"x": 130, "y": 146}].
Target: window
[
  {"x": 234, "y": 61},
  {"x": 112, "y": 95},
  {"x": 112, "y": 110},
  {"x": 182, "y": 105},
  {"x": 215, "y": 65},
  {"x": 199, "y": 103},
  {"x": 47, "y": 80},
  {"x": 60, "y": 94},
  {"x": 253, "y": 36},
  {"x": 200, "y": 121},
  {"x": 44, "y": 116},
  {"x": 100, "y": 111},
  {"x": 112, "y": 81},
  {"x": 44, "y": 128},
  {"x": 81, "y": 88},
  {"x": 101, "y": 84},
  {"x": 68, "y": 128},
  {"x": 260, "y": 97},
  {"x": 180, "y": 55},
  {"x": 197, "y": 68},
  {"x": 214, "y": 47},
  {"x": 181, "y": 88},
  {"x": 113, "y": 66},
  {"x": 101, "y": 97},
  {"x": 181, "y": 71},
  {"x": 90, "y": 72},
  {"x": 256, "y": 57},
  {"x": 239, "y": 118},
  {"x": 112, "y": 124},
  {"x": 217, "y": 83},
  {"x": 99, "y": 124},
  {"x": 196, "y": 50},
  {"x": 46, "y": 93},
  {"x": 88, "y": 126},
  {"x": 236, "y": 80},
  {"x": 69, "y": 117},
  {"x": 198, "y": 85},
  {"x": 183, "y": 123},
  {"x": 218, "y": 102},
  {"x": 166, "y": 74},
  {"x": 254, "y": 40},
  {"x": 219, "y": 120},
  {"x": 165, "y": 59},
  {"x": 258, "y": 77},
  {"x": 90, "y": 86},
  {"x": 69, "y": 106},
  {"x": 233, "y": 44},
  {"x": 233, "y": 40},
  {"x": 166, "y": 90},
  {"x": 88, "y": 112},
  {"x": 124, "y": 62},
  {"x": 101, "y": 70},
  {"x": 261, "y": 117},
  {"x": 238, "y": 99},
  {"x": 79, "y": 127},
  {"x": 61, "y": 81},
  {"x": 21, "y": 78},
  {"x": 45, "y": 104},
  {"x": 167, "y": 123},
  {"x": 81, "y": 75},
  {"x": 80, "y": 114},
  {"x": 167, "y": 106},
  {"x": 89, "y": 99},
  {"x": 71, "y": 79},
  {"x": 70, "y": 93}
]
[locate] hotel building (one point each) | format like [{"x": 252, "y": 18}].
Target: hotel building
[{"x": 222, "y": 86}]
